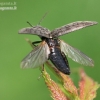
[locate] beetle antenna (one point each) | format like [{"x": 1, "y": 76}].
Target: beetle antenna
[
  {"x": 42, "y": 18},
  {"x": 30, "y": 24}
]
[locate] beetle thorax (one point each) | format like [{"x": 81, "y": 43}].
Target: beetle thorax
[{"x": 52, "y": 42}]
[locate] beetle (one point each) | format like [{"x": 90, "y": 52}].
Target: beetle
[{"x": 53, "y": 49}]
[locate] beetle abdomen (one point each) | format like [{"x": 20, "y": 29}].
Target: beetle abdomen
[{"x": 59, "y": 60}]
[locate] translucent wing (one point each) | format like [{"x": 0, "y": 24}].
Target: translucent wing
[
  {"x": 71, "y": 27},
  {"x": 75, "y": 54},
  {"x": 37, "y": 30},
  {"x": 36, "y": 57}
]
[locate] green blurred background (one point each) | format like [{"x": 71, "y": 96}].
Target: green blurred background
[{"x": 19, "y": 84}]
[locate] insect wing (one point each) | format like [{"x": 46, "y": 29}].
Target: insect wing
[
  {"x": 71, "y": 27},
  {"x": 36, "y": 57},
  {"x": 75, "y": 54},
  {"x": 37, "y": 30}
]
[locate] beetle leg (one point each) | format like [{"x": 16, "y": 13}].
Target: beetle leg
[
  {"x": 43, "y": 67},
  {"x": 36, "y": 43}
]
